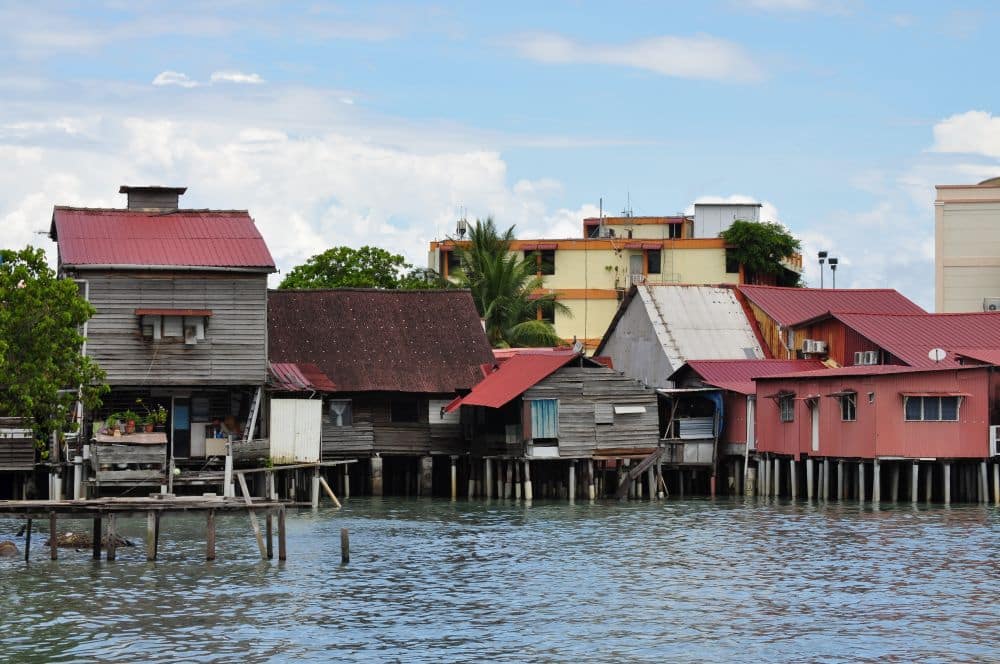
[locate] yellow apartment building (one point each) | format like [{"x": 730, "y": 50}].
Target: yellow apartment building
[
  {"x": 591, "y": 274},
  {"x": 967, "y": 247}
]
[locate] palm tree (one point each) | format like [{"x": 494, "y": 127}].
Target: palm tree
[{"x": 504, "y": 286}]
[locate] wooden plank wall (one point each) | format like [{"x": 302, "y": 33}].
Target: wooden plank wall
[
  {"x": 770, "y": 331},
  {"x": 579, "y": 391},
  {"x": 234, "y": 351},
  {"x": 17, "y": 451}
]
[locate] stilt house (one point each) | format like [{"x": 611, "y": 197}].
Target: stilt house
[{"x": 394, "y": 359}]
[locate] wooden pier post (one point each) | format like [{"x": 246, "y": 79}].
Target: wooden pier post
[
  {"x": 95, "y": 543},
  {"x": 426, "y": 489},
  {"x": 53, "y": 547},
  {"x": 329, "y": 492},
  {"x": 345, "y": 546},
  {"x": 876, "y": 481},
  {"x": 929, "y": 483},
  {"x": 314, "y": 494},
  {"x": 500, "y": 476},
  {"x": 472, "y": 480},
  {"x": 269, "y": 534},
  {"x": 112, "y": 543},
  {"x": 776, "y": 464},
  {"x": 861, "y": 481},
  {"x": 508, "y": 479},
  {"x": 984, "y": 483},
  {"x": 914, "y": 481},
  {"x": 282, "y": 552},
  {"x": 793, "y": 479},
  {"x": 996, "y": 483},
  {"x": 488, "y": 478},
  {"x": 517, "y": 478},
  {"x": 946, "y": 468},
  {"x": 572, "y": 480},
  {"x": 826, "y": 479},
  {"x": 841, "y": 469},
  {"x": 347, "y": 481},
  {"x": 253, "y": 515},
  {"x": 809, "y": 479},
  {"x": 894, "y": 482},
  {"x": 376, "y": 475},
  {"x": 27, "y": 541},
  {"x": 527, "y": 480},
  {"x": 454, "y": 478},
  {"x": 650, "y": 483},
  {"x": 210, "y": 535},
  {"x": 151, "y": 535}
]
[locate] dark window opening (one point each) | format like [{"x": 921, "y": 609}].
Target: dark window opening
[
  {"x": 653, "y": 258},
  {"x": 546, "y": 312},
  {"x": 732, "y": 265},
  {"x": 404, "y": 410},
  {"x": 674, "y": 231},
  {"x": 544, "y": 259},
  {"x": 594, "y": 231},
  {"x": 931, "y": 409},
  {"x": 786, "y": 404},
  {"x": 849, "y": 407}
]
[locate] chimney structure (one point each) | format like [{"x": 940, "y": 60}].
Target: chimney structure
[{"x": 152, "y": 198}]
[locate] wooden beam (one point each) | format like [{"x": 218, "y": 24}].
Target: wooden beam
[
  {"x": 282, "y": 553},
  {"x": 27, "y": 541},
  {"x": 253, "y": 517},
  {"x": 96, "y": 542},
  {"x": 329, "y": 491},
  {"x": 112, "y": 544},
  {"x": 53, "y": 545},
  {"x": 210, "y": 536},
  {"x": 150, "y": 535}
]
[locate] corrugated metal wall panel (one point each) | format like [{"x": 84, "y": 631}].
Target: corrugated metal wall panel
[{"x": 296, "y": 430}]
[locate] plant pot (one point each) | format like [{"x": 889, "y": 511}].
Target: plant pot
[
  {"x": 130, "y": 426},
  {"x": 148, "y": 428}
]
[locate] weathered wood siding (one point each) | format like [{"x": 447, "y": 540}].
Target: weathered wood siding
[
  {"x": 17, "y": 444},
  {"x": 373, "y": 430},
  {"x": 234, "y": 351},
  {"x": 584, "y": 396},
  {"x": 770, "y": 332}
]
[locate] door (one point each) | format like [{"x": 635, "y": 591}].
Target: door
[
  {"x": 814, "y": 416},
  {"x": 181, "y": 428},
  {"x": 635, "y": 268},
  {"x": 751, "y": 424}
]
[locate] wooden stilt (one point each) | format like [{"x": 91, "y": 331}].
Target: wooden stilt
[
  {"x": 472, "y": 480},
  {"x": 996, "y": 483},
  {"x": 27, "y": 540},
  {"x": 112, "y": 543},
  {"x": 929, "y": 483},
  {"x": 426, "y": 488},
  {"x": 454, "y": 478},
  {"x": 314, "y": 495},
  {"x": 793, "y": 480},
  {"x": 151, "y": 535},
  {"x": 984, "y": 486},
  {"x": 53, "y": 536},
  {"x": 376, "y": 476},
  {"x": 572, "y": 480},
  {"x": 809, "y": 479},
  {"x": 861, "y": 481},
  {"x": 347, "y": 481},
  {"x": 488, "y": 478},
  {"x": 826, "y": 479},
  {"x": 894, "y": 482},
  {"x": 329, "y": 492},
  {"x": 269, "y": 534},
  {"x": 95, "y": 543},
  {"x": 777, "y": 477},
  {"x": 345, "y": 546},
  {"x": 946, "y": 468},
  {"x": 914, "y": 481},
  {"x": 841, "y": 480},
  {"x": 876, "y": 481},
  {"x": 282, "y": 552},
  {"x": 253, "y": 517},
  {"x": 517, "y": 478},
  {"x": 508, "y": 479},
  {"x": 527, "y": 480},
  {"x": 210, "y": 535}
]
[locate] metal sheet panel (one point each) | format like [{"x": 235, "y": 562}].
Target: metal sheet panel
[{"x": 295, "y": 430}]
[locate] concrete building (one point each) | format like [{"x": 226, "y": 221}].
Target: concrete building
[
  {"x": 592, "y": 273},
  {"x": 967, "y": 247}
]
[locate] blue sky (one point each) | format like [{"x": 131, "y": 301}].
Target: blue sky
[{"x": 376, "y": 123}]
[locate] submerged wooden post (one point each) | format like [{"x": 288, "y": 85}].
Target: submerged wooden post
[
  {"x": 329, "y": 492},
  {"x": 809, "y": 479},
  {"x": 914, "y": 481},
  {"x": 996, "y": 483},
  {"x": 376, "y": 475},
  {"x": 150, "y": 535},
  {"x": 426, "y": 488},
  {"x": 347, "y": 481},
  {"x": 345, "y": 546},
  {"x": 527, "y": 480},
  {"x": 282, "y": 553},
  {"x": 95, "y": 543},
  {"x": 112, "y": 543},
  {"x": 876, "y": 481},
  {"x": 826, "y": 479},
  {"x": 841, "y": 469},
  {"x": 454, "y": 478},
  {"x": 27, "y": 541},
  {"x": 984, "y": 485},
  {"x": 53, "y": 537},
  {"x": 894, "y": 482},
  {"x": 861, "y": 481},
  {"x": 488, "y": 478},
  {"x": 252, "y": 515},
  {"x": 793, "y": 480},
  {"x": 946, "y": 467},
  {"x": 929, "y": 483},
  {"x": 517, "y": 478},
  {"x": 269, "y": 534},
  {"x": 210, "y": 535}
]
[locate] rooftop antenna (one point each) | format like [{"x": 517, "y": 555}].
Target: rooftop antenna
[
  {"x": 462, "y": 226},
  {"x": 627, "y": 212}
]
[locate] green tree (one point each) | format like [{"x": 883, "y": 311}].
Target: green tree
[
  {"x": 504, "y": 286},
  {"x": 42, "y": 371},
  {"x": 761, "y": 247},
  {"x": 344, "y": 267}
]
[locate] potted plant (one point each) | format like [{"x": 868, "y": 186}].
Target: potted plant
[
  {"x": 112, "y": 425},
  {"x": 148, "y": 422},
  {"x": 130, "y": 417},
  {"x": 159, "y": 418}
]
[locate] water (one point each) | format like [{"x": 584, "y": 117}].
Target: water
[{"x": 439, "y": 581}]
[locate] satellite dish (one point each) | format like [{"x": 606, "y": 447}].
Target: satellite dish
[{"x": 937, "y": 354}]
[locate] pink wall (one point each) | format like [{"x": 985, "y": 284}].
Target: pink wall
[
  {"x": 734, "y": 409},
  {"x": 879, "y": 429}
]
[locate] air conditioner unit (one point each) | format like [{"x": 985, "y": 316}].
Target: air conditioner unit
[
  {"x": 995, "y": 440},
  {"x": 871, "y": 357},
  {"x": 813, "y": 346},
  {"x": 991, "y": 304}
]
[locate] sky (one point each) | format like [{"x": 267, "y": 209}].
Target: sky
[{"x": 380, "y": 123}]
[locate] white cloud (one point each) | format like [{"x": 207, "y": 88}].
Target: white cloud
[
  {"x": 972, "y": 132},
  {"x": 699, "y": 57},
  {"x": 174, "y": 78},
  {"x": 235, "y": 77},
  {"x": 799, "y": 6}
]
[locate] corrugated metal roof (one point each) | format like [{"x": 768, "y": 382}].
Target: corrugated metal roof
[
  {"x": 911, "y": 337},
  {"x": 513, "y": 377},
  {"x": 739, "y": 375},
  {"x": 699, "y": 322},
  {"x": 292, "y": 377},
  {"x": 985, "y": 355},
  {"x": 789, "y": 306},
  {"x": 868, "y": 370},
  {"x": 182, "y": 238},
  {"x": 369, "y": 340}
]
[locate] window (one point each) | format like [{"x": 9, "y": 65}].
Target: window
[
  {"x": 849, "y": 407},
  {"x": 184, "y": 324},
  {"x": 545, "y": 260},
  {"x": 653, "y": 261},
  {"x": 341, "y": 413},
  {"x": 404, "y": 410},
  {"x": 732, "y": 265},
  {"x": 546, "y": 312},
  {"x": 786, "y": 404},
  {"x": 931, "y": 409},
  {"x": 594, "y": 230},
  {"x": 674, "y": 231},
  {"x": 544, "y": 418},
  {"x": 453, "y": 262}
]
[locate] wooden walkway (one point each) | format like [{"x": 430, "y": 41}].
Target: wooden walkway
[{"x": 154, "y": 508}]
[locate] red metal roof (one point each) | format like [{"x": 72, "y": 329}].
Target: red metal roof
[
  {"x": 182, "y": 238},
  {"x": 789, "y": 306},
  {"x": 513, "y": 377},
  {"x": 739, "y": 375},
  {"x": 292, "y": 377},
  {"x": 869, "y": 370},
  {"x": 984, "y": 355},
  {"x": 910, "y": 337}
]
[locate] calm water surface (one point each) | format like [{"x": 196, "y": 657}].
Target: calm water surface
[{"x": 439, "y": 581}]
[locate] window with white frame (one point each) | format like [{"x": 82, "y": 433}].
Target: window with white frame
[
  {"x": 786, "y": 405},
  {"x": 931, "y": 409},
  {"x": 341, "y": 413},
  {"x": 187, "y": 325}
]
